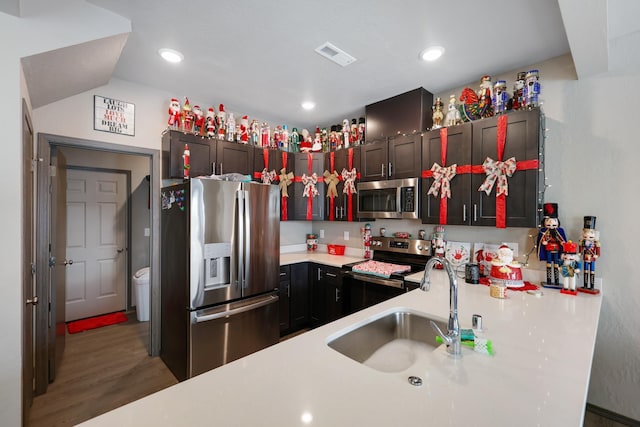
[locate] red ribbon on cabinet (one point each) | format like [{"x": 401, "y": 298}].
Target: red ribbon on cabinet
[
  {"x": 285, "y": 179},
  {"x": 310, "y": 191},
  {"x": 332, "y": 166},
  {"x": 349, "y": 177}
]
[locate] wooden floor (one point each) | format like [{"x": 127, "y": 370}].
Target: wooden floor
[
  {"x": 101, "y": 370},
  {"x": 108, "y": 367}
]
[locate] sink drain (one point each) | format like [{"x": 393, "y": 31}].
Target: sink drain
[{"x": 415, "y": 381}]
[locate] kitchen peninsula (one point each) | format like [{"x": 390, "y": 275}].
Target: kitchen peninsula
[{"x": 538, "y": 376}]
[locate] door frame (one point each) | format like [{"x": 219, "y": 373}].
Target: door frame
[
  {"x": 127, "y": 243},
  {"x": 47, "y": 143}
]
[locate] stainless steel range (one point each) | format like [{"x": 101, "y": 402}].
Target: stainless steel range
[{"x": 396, "y": 258}]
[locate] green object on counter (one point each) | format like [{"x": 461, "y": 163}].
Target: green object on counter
[{"x": 481, "y": 345}]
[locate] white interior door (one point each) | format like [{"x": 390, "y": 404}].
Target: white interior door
[{"x": 96, "y": 235}]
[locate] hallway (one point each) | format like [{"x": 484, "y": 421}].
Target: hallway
[{"x": 101, "y": 370}]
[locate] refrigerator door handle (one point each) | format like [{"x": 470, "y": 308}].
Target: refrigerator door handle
[
  {"x": 240, "y": 226},
  {"x": 208, "y": 317},
  {"x": 246, "y": 244}
]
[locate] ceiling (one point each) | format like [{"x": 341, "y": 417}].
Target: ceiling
[{"x": 258, "y": 57}]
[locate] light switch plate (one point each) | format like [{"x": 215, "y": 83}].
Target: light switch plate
[
  {"x": 147, "y": 232},
  {"x": 346, "y": 235},
  {"x": 322, "y": 234}
]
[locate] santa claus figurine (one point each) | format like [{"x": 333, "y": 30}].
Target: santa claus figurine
[
  {"x": 198, "y": 122},
  {"x": 306, "y": 141},
  {"x": 221, "y": 119},
  {"x": 211, "y": 123},
  {"x": 244, "y": 130},
  {"x": 174, "y": 114},
  {"x": 505, "y": 270}
]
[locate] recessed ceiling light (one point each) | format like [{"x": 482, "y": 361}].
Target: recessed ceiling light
[
  {"x": 432, "y": 53},
  {"x": 171, "y": 55},
  {"x": 308, "y": 105}
]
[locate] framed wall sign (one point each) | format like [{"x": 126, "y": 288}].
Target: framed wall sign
[{"x": 112, "y": 115}]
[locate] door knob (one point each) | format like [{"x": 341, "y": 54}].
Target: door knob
[
  {"x": 68, "y": 262},
  {"x": 120, "y": 250},
  {"x": 33, "y": 301}
]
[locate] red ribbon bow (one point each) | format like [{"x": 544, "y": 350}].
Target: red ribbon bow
[
  {"x": 442, "y": 177},
  {"x": 497, "y": 171}
]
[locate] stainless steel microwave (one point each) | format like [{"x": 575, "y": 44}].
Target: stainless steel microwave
[{"x": 395, "y": 198}]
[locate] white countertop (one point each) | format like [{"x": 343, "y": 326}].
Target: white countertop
[{"x": 538, "y": 376}]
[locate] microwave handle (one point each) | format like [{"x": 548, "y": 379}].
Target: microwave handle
[{"x": 464, "y": 213}]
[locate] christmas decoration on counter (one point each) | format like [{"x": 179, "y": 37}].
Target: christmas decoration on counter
[
  {"x": 500, "y": 97},
  {"x": 550, "y": 239},
  {"x": 186, "y": 154},
  {"x": 506, "y": 271},
  {"x": 457, "y": 253},
  {"x": 187, "y": 117},
  {"x": 531, "y": 90},
  {"x": 174, "y": 114},
  {"x": 590, "y": 249},
  {"x": 453, "y": 114},
  {"x": 570, "y": 267},
  {"x": 312, "y": 242},
  {"x": 366, "y": 241},
  {"x": 437, "y": 115}
]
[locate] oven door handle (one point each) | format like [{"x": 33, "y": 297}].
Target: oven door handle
[
  {"x": 224, "y": 313},
  {"x": 394, "y": 283}
]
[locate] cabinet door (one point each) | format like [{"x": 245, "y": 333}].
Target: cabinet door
[
  {"x": 234, "y": 157},
  {"x": 284, "y": 295},
  {"x": 278, "y": 165},
  {"x": 300, "y": 202},
  {"x": 404, "y": 156},
  {"x": 326, "y": 295},
  {"x": 341, "y": 202},
  {"x": 522, "y": 142},
  {"x": 258, "y": 154},
  {"x": 458, "y": 152},
  {"x": 299, "y": 296},
  {"x": 202, "y": 155},
  {"x": 374, "y": 161}
]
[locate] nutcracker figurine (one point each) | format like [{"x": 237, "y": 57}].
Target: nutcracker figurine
[
  {"x": 354, "y": 133},
  {"x": 265, "y": 135},
  {"x": 186, "y": 154},
  {"x": 500, "y": 97},
  {"x": 295, "y": 140},
  {"x": 485, "y": 94},
  {"x": 531, "y": 89},
  {"x": 549, "y": 242},
  {"x": 517, "y": 101},
  {"x": 438, "y": 244},
  {"x": 590, "y": 249},
  {"x": 187, "y": 117},
  {"x": 346, "y": 132},
  {"x": 437, "y": 115},
  {"x": 277, "y": 137},
  {"x": 254, "y": 132},
  {"x": 361, "y": 129},
  {"x": 570, "y": 267},
  {"x": 174, "y": 114},
  {"x": 230, "y": 132},
  {"x": 366, "y": 241},
  {"x": 285, "y": 138}
]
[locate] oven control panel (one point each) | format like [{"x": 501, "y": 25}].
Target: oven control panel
[{"x": 405, "y": 246}]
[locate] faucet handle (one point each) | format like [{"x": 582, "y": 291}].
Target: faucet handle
[{"x": 446, "y": 338}]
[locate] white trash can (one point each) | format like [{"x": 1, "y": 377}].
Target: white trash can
[{"x": 141, "y": 283}]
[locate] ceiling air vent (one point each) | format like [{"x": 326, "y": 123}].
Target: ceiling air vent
[{"x": 335, "y": 54}]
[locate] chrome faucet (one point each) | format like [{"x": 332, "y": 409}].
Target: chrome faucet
[{"x": 452, "y": 338}]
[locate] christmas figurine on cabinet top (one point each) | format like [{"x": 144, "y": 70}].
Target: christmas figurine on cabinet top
[
  {"x": 590, "y": 249},
  {"x": 531, "y": 90},
  {"x": 500, "y": 97},
  {"x": 438, "y": 115},
  {"x": 174, "y": 114},
  {"x": 453, "y": 114},
  {"x": 570, "y": 267},
  {"x": 549, "y": 242}
]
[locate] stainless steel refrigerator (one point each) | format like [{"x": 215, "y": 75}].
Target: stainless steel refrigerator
[{"x": 220, "y": 270}]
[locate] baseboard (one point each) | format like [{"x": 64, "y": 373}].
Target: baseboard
[{"x": 605, "y": 413}]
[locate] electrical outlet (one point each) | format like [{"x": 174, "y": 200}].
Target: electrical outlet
[
  {"x": 346, "y": 235},
  {"x": 147, "y": 232},
  {"x": 322, "y": 234}
]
